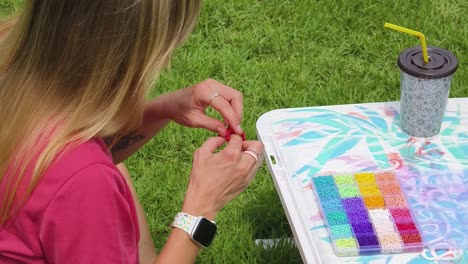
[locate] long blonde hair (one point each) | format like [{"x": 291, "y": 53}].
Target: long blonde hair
[{"x": 74, "y": 70}]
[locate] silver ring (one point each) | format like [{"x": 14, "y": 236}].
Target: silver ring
[
  {"x": 213, "y": 95},
  {"x": 253, "y": 154}
]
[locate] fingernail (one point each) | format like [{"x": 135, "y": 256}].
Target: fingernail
[{"x": 239, "y": 129}]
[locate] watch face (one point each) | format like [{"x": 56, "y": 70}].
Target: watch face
[{"x": 205, "y": 232}]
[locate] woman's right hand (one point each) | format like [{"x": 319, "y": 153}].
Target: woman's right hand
[{"x": 218, "y": 177}]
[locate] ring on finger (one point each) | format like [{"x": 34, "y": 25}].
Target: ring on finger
[
  {"x": 259, "y": 156},
  {"x": 213, "y": 96},
  {"x": 253, "y": 154}
]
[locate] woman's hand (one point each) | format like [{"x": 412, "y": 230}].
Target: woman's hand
[
  {"x": 219, "y": 177},
  {"x": 187, "y": 106}
]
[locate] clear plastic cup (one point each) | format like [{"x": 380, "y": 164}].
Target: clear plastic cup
[{"x": 425, "y": 89}]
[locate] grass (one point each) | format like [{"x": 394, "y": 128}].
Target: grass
[{"x": 280, "y": 54}]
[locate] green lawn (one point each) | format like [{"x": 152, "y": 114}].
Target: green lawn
[{"x": 282, "y": 53}]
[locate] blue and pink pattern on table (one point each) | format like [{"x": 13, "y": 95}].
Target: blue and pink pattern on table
[{"x": 367, "y": 138}]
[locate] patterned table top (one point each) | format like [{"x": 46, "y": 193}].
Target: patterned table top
[{"x": 363, "y": 137}]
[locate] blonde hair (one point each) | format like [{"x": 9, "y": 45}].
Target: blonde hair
[{"x": 74, "y": 70}]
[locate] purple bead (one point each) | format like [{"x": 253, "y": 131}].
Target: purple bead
[
  {"x": 356, "y": 216},
  {"x": 368, "y": 244},
  {"x": 351, "y": 204},
  {"x": 368, "y": 239},
  {"x": 362, "y": 227}
]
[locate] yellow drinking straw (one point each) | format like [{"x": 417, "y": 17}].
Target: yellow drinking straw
[{"x": 414, "y": 33}]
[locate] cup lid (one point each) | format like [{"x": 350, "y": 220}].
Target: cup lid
[{"x": 441, "y": 63}]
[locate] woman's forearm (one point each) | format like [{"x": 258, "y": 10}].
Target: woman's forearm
[{"x": 154, "y": 120}]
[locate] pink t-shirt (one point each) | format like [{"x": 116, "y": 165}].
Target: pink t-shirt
[{"x": 82, "y": 211}]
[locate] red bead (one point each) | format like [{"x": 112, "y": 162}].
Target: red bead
[
  {"x": 228, "y": 134},
  {"x": 411, "y": 238},
  {"x": 406, "y": 226},
  {"x": 229, "y": 131}
]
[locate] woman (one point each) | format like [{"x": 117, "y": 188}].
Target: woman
[{"x": 73, "y": 81}]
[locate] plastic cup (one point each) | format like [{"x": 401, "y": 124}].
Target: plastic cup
[{"x": 425, "y": 89}]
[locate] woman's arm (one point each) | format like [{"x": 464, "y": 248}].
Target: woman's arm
[
  {"x": 217, "y": 177},
  {"x": 186, "y": 107},
  {"x": 154, "y": 120}
]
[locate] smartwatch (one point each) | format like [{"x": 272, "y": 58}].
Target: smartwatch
[{"x": 201, "y": 230}]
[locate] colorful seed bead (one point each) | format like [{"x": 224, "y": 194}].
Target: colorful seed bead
[
  {"x": 401, "y": 214},
  {"x": 389, "y": 238},
  {"x": 379, "y": 214},
  {"x": 344, "y": 179},
  {"x": 369, "y": 189},
  {"x": 324, "y": 181},
  {"x": 383, "y": 226},
  {"x": 390, "y": 189},
  {"x": 366, "y": 214},
  {"x": 395, "y": 201},
  {"x": 327, "y": 192},
  {"x": 392, "y": 248},
  {"x": 365, "y": 178},
  {"x": 375, "y": 201},
  {"x": 409, "y": 226},
  {"x": 357, "y": 216},
  {"x": 366, "y": 240},
  {"x": 391, "y": 243},
  {"x": 346, "y": 242},
  {"x": 337, "y": 218},
  {"x": 368, "y": 244},
  {"x": 332, "y": 205},
  {"x": 348, "y": 191},
  {"x": 346, "y": 247},
  {"x": 341, "y": 231},
  {"x": 353, "y": 204},
  {"x": 411, "y": 238},
  {"x": 362, "y": 227},
  {"x": 386, "y": 177}
]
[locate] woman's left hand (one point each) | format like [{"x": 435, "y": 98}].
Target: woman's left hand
[{"x": 188, "y": 106}]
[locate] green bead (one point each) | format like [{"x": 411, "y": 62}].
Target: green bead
[
  {"x": 347, "y": 191},
  {"x": 344, "y": 179},
  {"x": 346, "y": 243}
]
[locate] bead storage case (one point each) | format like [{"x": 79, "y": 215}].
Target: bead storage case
[{"x": 366, "y": 213}]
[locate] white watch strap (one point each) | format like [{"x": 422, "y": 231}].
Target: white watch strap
[{"x": 185, "y": 222}]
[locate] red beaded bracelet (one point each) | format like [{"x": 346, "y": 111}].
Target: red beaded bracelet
[{"x": 230, "y": 131}]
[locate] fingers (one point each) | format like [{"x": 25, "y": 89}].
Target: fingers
[
  {"x": 254, "y": 145},
  {"x": 234, "y": 146},
  {"x": 253, "y": 151},
  {"x": 231, "y": 95},
  {"x": 224, "y": 108},
  {"x": 247, "y": 154},
  {"x": 211, "y": 124},
  {"x": 228, "y": 102},
  {"x": 211, "y": 145}
]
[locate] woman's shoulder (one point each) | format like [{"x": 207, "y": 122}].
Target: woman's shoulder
[
  {"x": 90, "y": 158},
  {"x": 90, "y": 152},
  {"x": 81, "y": 196},
  {"x": 89, "y": 161}
]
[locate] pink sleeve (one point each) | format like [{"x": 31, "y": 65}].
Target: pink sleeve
[{"x": 91, "y": 219}]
